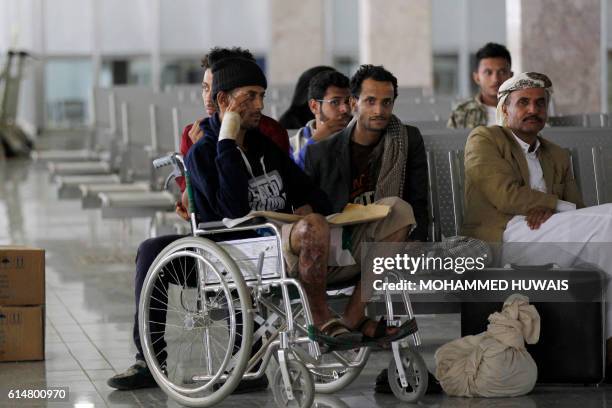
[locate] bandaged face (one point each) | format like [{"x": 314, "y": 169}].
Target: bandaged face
[{"x": 525, "y": 110}]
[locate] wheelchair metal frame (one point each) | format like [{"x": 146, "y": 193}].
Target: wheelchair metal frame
[{"x": 285, "y": 340}]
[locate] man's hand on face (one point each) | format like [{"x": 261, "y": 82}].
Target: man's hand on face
[
  {"x": 237, "y": 103},
  {"x": 329, "y": 127},
  {"x": 537, "y": 216},
  {"x": 195, "y": 133},
  {"x": 233, "y": 116}
]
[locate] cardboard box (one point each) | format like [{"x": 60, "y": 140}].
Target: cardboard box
[
  {"x": 22, "y": 276},
  {"x": 22, "y": 336}
]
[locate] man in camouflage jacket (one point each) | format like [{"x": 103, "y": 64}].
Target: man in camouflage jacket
[{"x": 493, "y": 63}]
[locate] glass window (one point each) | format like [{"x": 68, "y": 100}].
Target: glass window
[
  {"x": 67, "y": 92},
  {"x": 446, "y": 72},
  {"x": 346, "y": 64},
  {"x": 181, "y": 71},
  {"x": 139, "y": 72},
  {"x": 126, "y": 71}
]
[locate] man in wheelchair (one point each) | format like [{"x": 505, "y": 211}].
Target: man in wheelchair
[
  {"x": 138, "y": 375},
  {"x": 235, "y": 170}
]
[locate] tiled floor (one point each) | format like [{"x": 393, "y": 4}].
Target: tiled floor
[{"x": 90, "y": 306}]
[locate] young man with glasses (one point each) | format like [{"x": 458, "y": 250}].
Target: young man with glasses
[{"x": 329, "y": 101}]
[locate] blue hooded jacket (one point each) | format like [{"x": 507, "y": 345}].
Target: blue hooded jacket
[{"x": 228, "y": 183}]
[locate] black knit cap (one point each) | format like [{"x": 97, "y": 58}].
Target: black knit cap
[{"x": 232, "y": 73}]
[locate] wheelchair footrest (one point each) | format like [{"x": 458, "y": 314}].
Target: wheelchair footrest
[{"x": 332, "y": 344}]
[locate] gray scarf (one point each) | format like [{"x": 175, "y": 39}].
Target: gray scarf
[{"x": 390, "y": 158}]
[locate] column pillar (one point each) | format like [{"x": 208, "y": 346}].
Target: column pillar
[
  {"x": 296, "y": 44},
  {"x": 397, "y": 34},
  {"x": 561, "y": 39}
]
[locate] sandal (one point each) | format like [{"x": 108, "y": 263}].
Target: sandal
[
  {"x": 381, "y": 338},
  {"x": 379, "y": 332},
  {"x": 335, "y": 335}
]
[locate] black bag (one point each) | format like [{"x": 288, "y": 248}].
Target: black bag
[{"x": 572, "y": 344}]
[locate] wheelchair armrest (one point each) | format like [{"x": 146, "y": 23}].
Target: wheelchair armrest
[
  {"x": 216, "y": 225},
  {"x": 211, "y": 225}
]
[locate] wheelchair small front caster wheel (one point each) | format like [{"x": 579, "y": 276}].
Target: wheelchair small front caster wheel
[
  {"x": 301, "y": 383},
  {"x": 416, "y": 376}
]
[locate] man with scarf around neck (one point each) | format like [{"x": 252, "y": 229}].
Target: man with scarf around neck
[
  {"x": 375, "y": 159},
  {"x": 375, "y": 156},
  {"x": 519, "y": 188}
]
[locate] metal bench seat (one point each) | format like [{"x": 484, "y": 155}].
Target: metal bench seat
[
  {"x": 136, "y": 204},
  {"x": 90, "y": 192},
  {"x": 67, "y": 155},
  {"x": 69, "y": 186},
  {"x": 79, "y": 168}
]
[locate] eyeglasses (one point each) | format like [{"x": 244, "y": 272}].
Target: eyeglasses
[{"x": 336, "y": 102}]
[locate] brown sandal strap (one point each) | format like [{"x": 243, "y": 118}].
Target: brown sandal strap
[
  {"x": 334, "y": 328},
  {"x": 364, "y": 320},
  {"x": 381, "y": 326}
]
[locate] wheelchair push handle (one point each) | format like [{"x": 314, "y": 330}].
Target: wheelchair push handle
[
  {"x": 162, "y": 161},
  {"x": 173, "y": 159},
  {"x": 176, "y": 160}
]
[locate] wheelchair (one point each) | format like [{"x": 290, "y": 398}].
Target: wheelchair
[{"x": 214, "y": 311}]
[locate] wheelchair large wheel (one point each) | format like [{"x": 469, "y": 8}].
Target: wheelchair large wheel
[
  {"x": 199, "y": 351},
  {"x": 416, "y": 372}
]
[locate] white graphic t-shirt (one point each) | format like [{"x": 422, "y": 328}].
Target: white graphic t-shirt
[{"x": 266, "y": 192}]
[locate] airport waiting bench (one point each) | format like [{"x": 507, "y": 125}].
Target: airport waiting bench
[{"x": 591, "y": 158}]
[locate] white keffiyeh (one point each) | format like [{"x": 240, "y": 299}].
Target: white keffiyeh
[{"x": 523, "y": 80}]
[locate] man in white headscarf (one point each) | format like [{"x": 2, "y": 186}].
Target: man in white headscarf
[
  {"x": 515, "y": 179},
  {"x": 519, "y": 188}
]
